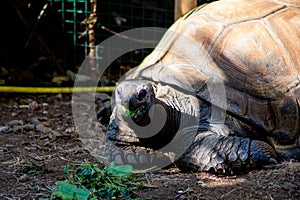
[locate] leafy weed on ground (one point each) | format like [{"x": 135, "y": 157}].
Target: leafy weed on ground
[
  {"x": 33, "y": 168},
  {"x": 88, "y": 181}
]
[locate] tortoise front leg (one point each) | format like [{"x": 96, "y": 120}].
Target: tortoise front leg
[
  {"x": 130, "y": 151},
  {"x": 226, "y": 154},
  {"x": 140, "y": 158}
]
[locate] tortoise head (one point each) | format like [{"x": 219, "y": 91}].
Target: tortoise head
[
  {"x": 134, "y": 130},
  {"x": 141, "y": 123},
  {"x": 134, "y": 100}
]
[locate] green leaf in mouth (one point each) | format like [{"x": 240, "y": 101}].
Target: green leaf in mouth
[{"x": 128, "y": 112}]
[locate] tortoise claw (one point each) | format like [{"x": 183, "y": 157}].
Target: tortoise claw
[{"x": 261, "y": 154}]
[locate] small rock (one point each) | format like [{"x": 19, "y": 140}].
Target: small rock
[
  {"x": 2, "y": 150},
  {"x": 289, "y": 186},
  {"x": 68, "y": 131},
  {"x": 29, "y": 127},
  {"x": 30, "y": 148},
  {"x": 4, "y": 129},
  {"x": 47, "y": 124},
  {"x": 13, "y": 123},
  {"x": 43, "y": 119},
  {"x": 180, "y": 191},
  {"x": 45, "y": 105},
  {"x": 57, "y": 97},
  {"x": 17, "y": 129},
  {"x": 9, "y": 146},
  {"x": 57, "y": 115},
  {"x": 24, "y": 178},
  {"x": 43, "y": 129},
  {"x": 45, "y": 112},
  {"x": 54, "y": 134},
  {"x": 35, "y": 121},
  {"x": 33, "y": 106},
  {"x": 36, "y": 157}
]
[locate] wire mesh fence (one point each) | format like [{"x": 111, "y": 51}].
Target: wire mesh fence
[
  {"x": 106, "y": 18},
  {"x": 62, "y": 33}
]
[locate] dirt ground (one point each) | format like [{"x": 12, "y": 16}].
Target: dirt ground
[{"x": 37, "y": 139}]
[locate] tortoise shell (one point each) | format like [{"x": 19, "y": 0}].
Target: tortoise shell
[{"x": 252, "y": 52}]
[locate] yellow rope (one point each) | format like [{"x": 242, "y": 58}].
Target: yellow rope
[{"x": 55, "y": 89}]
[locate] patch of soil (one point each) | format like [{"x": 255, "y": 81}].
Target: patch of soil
[{"x": 38, "y": 139}]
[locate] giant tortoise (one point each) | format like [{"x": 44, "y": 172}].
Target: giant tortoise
[{"x": 220, "y": 92}]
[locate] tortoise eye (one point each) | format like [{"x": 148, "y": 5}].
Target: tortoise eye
[{"x": 141, "y": 94}]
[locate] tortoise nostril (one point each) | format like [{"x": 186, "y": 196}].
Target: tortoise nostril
[{"x": 141, "y": 94}]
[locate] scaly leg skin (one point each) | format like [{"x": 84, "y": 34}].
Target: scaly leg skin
[
  {"x": 226, "y": 154},
  {"x": 140, "y": 158}
]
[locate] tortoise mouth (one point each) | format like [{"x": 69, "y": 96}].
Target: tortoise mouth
[
  {"x": 138, "y": 112},
  {"x": 121, "y": 134},
  {"x": 139, "y": 103}
]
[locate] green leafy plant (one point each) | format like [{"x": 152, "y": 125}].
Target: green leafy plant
[
  {"x": 33, "y": 168},
  {"x": 67, "y": 191},
  {"x": 88, "y": 181}
]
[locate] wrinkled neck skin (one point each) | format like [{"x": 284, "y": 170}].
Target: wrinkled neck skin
[
  {"x": 187, "y": 105},
  {"x": 181, "y": 110}
]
